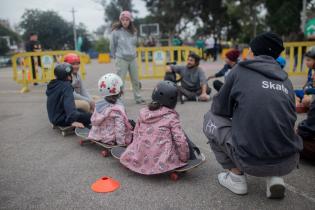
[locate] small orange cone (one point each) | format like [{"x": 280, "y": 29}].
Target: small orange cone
[{"x": 105, "y": 184}]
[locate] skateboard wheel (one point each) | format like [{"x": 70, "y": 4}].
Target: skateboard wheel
[
  {"x": 174, "y": 176},
  {"x": 81, "y": 142},
  {"x": 105, "y": 153},
  {"x": 63, "y": 133}
]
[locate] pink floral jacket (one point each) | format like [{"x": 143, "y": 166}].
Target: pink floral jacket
[
  {"x": 110, "y": 124},
  {"x": 159, "y": 143}
]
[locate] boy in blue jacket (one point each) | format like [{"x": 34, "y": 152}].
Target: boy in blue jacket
[{"x": 60, "y": 100}]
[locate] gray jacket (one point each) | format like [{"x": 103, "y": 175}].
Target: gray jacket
[
  {"x": 259, "y": 97},
  {"x": 80, "y": 92},
  {"x": 123, "y": 44}
]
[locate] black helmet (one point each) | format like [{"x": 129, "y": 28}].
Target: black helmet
[
  {"x": 195, "y": 57},
  {"x": 165, "y": 93},
  {"x": 62, "y": 71},
  {"x": 311, "y": 53}
]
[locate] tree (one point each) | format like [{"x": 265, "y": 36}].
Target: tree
[
  {"x": 283, "y": 16},
  {"x": 101, "y": 45},
  {"x": 169, "y": 14},
  {"x": 4, "y": 48},
  {"x": 53, "y": 31}
]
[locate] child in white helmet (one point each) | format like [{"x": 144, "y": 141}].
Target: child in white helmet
[{"x": 109, "y": 121}]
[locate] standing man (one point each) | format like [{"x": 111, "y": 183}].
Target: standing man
[
  {"x": 210, "y": 47},
  {"x": 33, "y": 45}
]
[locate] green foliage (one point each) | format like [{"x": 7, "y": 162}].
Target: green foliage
[
  {"x": 4, "y": 31},
  {"x": 53, "y": 31},
  {"x": 101, "y": 45},
  {"x": 4, "y": 48}
]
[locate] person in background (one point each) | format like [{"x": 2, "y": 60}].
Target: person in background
[
  {"x": 33, "y": 45},
  {"x": 231, "y": 59}
]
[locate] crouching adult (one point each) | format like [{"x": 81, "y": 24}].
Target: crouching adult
[{"x": 250, "y": 126}]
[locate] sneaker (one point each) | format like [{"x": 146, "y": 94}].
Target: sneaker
[
  {"x": 235, "y": 183},
  {"x": 275, "y": 187},
  {"x": 141, "y": 101}
]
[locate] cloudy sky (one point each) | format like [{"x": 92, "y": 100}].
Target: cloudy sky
[{"x": 88, "y": 12}]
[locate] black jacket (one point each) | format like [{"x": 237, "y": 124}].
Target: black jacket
[
  {"x": 60, "y": 103},
  {"x": 259, "y": 97}
]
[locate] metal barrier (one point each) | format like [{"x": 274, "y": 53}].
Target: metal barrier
[
  {"x": 152, "y": 60},
  {"x": 293, "y": 53},
  {"x": 42, "y": 64}
]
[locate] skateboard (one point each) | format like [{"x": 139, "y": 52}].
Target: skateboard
[
  {"x": 65, "y": 131},
  {"x": 84, "y": 133},
  {"x": 174, "y": 174}
]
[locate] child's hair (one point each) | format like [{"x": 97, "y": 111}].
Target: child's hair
[
  {"x": 131, "y": 28},
  {"x": 154, "y": 106},
  {"x": 113, "y": 99}
]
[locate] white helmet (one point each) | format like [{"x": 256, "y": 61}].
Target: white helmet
[{"x": 110, "y": 84}]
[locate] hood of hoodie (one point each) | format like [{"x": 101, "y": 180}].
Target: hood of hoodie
[
  {"x": 148, "y": 116},
  {"x": 102, "y": 105},
  {"x": 55, "y": 85},
  {"x": 266, "y": 66}
]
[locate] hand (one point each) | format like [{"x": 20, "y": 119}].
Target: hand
[
  {"x": 204, "y": 97},
  {"x": 77, "y": 125}
]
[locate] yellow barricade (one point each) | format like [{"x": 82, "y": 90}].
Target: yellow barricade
[
  {"x": 42, "y": 64},
  {"x": 152, "y": 60},
  {"x": 293, "y": 53},
  {"x": 103, "y": 58}
]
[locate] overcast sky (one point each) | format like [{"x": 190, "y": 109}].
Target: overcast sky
[{"x": 88, "y": 12}]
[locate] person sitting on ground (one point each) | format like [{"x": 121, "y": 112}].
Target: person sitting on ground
[
  {"x": 303, "y": 98},
  {"x": 250, "y": 126},
  {"x": 231, "y": 59},
  {"x": 159, "y": 142},
  {"x": 60, "y": 101},
  {"x": 193, "y": 83},
  {"x": 110, "y": 123},
  {"x": 82, "y": 98}
]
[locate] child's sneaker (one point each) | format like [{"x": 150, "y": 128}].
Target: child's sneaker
[
  {"x": 275, "y": 187},
  {"x": 235, "y": 183}
]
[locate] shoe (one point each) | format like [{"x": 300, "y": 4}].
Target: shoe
[
  {"x": 275, "y": 187},
  {"x": 141, "y": 101},
  {"x": 236, "y": 183}
]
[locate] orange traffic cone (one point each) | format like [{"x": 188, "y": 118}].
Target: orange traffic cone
[{"x": 105, "y": 184}]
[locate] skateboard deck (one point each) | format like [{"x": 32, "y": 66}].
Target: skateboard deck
[
  {"x": 117, "y": 152},
  {"x": 65, "y": 131},
  {"x": 84, "y": 133}
]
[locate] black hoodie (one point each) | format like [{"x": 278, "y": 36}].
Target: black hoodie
[
  {"x": 60, "y": 103},
  {"x": 259, "y": 98}
]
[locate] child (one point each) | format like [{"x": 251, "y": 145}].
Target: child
[
  {"x": 60, "y": 101},
  {"x": 123, "y": 49},
  {"x": 83, "y": 99},
  {"x": 231, "y": 59},
  {"x": 306, "y": 128},
  {"x": 302, "y": 98},
  {"x": 159, "y": 143},
  {"x": 109, "y": 121}
]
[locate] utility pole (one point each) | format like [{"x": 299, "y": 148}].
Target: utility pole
[
  {"x": 303, "y": 16},
  {"x": 74, "y": 30}
]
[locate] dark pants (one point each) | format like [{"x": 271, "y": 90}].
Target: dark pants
[
  {"x": 217, "y": 84},
  {"x": 81, "y": 117},
  {"x": 33, "y": 65},
  {"x": 192, "y": 95}
]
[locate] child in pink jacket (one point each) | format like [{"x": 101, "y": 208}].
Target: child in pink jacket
[
  {"x": 109, "y": 121},
  {"x": 159, "y": 143}
]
